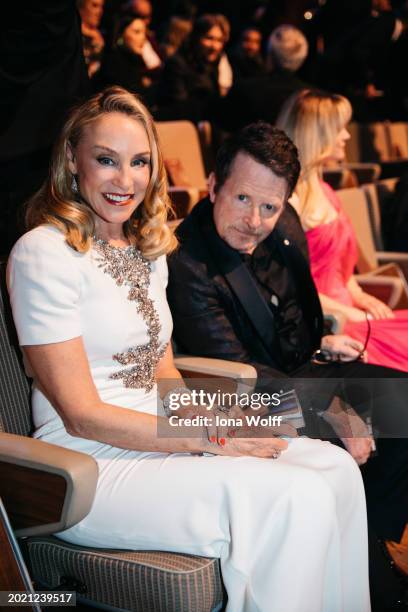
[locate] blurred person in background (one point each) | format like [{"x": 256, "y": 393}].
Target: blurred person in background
[
  {"x": 246, "y": 57},
  {"x": 189, "y": 86},
  {"x": 42, "y": 74},
  {"x": 261, "y": 98},
  {"x": 91, "y": 12},
  {"x": 175, "y": 34},
  {"x": 125, "y": 64}
]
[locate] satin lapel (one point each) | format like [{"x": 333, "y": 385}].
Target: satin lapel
[{"x": 306, "y": 290}]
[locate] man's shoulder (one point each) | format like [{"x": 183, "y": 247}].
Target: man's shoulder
[
  {"x": 190, "y": 231},
  {"x": 289, "y": 227}
]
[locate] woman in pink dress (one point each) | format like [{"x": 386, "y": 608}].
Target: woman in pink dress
[{"x": 316, "y": 121}]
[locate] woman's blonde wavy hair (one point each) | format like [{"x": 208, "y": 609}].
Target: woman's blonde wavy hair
[
  {"x": 55, "y": 203},
  {"x": 312, "y": 119}
]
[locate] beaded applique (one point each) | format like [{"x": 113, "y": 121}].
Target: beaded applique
[{"x": 127, "y": 266}]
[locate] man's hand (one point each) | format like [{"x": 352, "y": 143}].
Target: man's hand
[
  {"x": 342, "y": 347},
  {"x": 359, "y": 448}
]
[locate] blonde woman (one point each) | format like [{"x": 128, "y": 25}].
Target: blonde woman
[
  {"x": 87, "y": 286},
  {"x": 317, "y": 121}
]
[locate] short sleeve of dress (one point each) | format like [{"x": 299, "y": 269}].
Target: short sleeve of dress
[
  {"x": 44, "y": 286},
  {"x": 162, "y": 269}
]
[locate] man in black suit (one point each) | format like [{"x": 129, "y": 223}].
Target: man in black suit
[{"x": 240, "y": 289}]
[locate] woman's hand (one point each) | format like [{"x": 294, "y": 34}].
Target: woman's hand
[
  {"x": 249, "y": 445},
  {"x": 359, "y": 448},
  {"x": 374, "y": 307},
  {"x": 342, "y": 347}
]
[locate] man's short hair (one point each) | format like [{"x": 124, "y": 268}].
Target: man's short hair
[
  {"x": 267, "y": 145},
  {"x": 287, "y": 46}
]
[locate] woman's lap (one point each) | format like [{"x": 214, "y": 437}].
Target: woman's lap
[{"x": 184, "y": 503}]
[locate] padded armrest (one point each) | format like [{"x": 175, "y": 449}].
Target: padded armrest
[
  {"x": 400, "y": 259},
  {"x": 216, "y": 367},
  {"x": 386, "y": 288},
  {"x": 45, "y": 488},
  {"x": 366, "y": 172},
  {"x": 197, "y": 367}
]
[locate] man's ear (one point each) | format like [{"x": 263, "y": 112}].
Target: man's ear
[
  {"x": 212, "y": 183},
  {"x": 72, "y": 165}
]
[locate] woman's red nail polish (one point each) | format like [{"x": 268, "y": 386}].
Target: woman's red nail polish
[
  {"x": 222, "y": 441},
  {"x": 213, "y": 439}
]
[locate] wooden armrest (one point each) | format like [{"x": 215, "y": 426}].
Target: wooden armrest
[{"x": 45, "y": 488}]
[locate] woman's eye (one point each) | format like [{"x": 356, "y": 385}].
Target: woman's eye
[
  {"x": 106, "y": 161},
  {"x": 242, "y": 197},
  {"x": 269, "y": 207},
  {"x": 140, "y": 162}
]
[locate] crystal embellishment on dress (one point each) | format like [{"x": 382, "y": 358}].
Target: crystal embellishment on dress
[{"x": 128, "y": 267}]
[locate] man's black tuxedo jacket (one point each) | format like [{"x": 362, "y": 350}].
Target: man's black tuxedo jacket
[{"x": 208, "y": 318}]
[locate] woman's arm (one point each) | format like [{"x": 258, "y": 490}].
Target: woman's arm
[
  {"x": 331, "y": 306},
  {"x": 376, "y": 308},
  {"x": 62, "y": 372}
]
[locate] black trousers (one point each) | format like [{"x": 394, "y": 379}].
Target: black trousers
[{"x": 384, "y": 393}]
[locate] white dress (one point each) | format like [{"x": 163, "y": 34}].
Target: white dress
[{"x": 290, "y": 533}]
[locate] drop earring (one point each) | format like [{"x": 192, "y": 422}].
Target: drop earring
[{"x": 74, "y": 184}]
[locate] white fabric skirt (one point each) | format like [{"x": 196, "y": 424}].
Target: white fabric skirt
[{"x": 291, "y": 533}]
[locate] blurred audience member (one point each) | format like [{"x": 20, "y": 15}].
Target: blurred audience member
[
  {"x": 42, "y": 74},
  {"x": 125, "y": 64},
  {"x": 176, "y": 33},
  {"x": 357, "y": 62},
  {"x": 260, "y": 98},
  {"x": 91, "y": 12},
  {"x": 246, "y": 57},
  {"x": 142, "y": 8},
  {"x": 225, "y": 75},
  {"x": 190, "y": 88}
]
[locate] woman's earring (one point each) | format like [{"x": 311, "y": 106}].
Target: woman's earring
[{"x": 74, "y": 184}]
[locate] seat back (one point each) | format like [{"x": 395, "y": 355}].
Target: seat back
[
  {"x": 354, "y": 203},
  {"x": 353, "y": 145},
  {"x": 398, "y": 140},
  {"x": 375, "y": 142},
  {"x": 179, "y": 141},
  {"x": 379, "y": 195},
  {"x": 15, "y": 412}
]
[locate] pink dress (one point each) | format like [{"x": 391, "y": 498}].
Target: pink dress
[{"x": 333, "y": 256}]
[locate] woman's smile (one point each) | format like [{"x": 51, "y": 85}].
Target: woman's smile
[{"x": 116, "y": 199}]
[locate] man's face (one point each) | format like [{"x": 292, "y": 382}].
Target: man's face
[
  {"x": 251, "y": 42},
  {"x": 91, "y": 12},
  {"x": 249, "y": 204}
]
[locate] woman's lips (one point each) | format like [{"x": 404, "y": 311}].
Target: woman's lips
[{"x": 117, "y": 199}]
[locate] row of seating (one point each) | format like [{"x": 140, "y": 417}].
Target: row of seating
[{"x": 377, "y": 142}]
